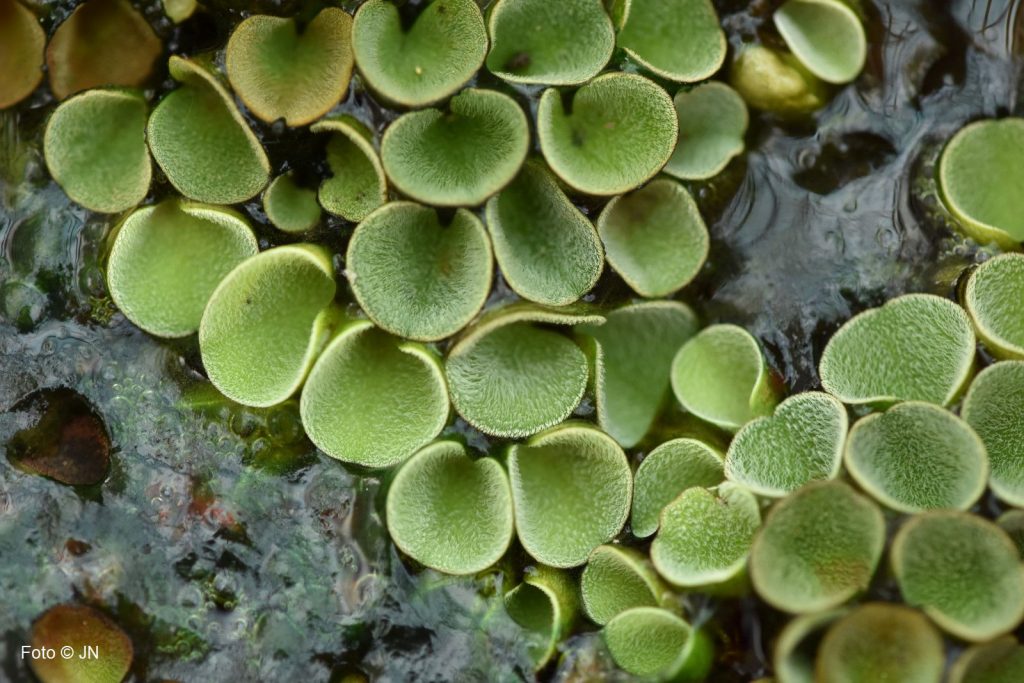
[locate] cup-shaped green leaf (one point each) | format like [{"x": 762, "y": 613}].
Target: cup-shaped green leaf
[
  {"x": 103, "y": 42},
  {"x": 634, "y": 349},
  {"x": 705, "y": 536},
  {"x": 825, "y": 35},
  {"x": 555, "y": 43},
  {"x": 510, "y": 377},
  {"x": 721, "y": 376},
  {"x": 166, "y": 261},
  {"x": 572, "y": 487},
  {"x": 978, "y": 176},
  {"x": 620, "y": 130},
  {"x": 202, "y": 142},
  {"x": 616, "y": 579},
  {"x": 265, "y": 323},
  {"x": 676, "y": 39},
  {"x": 917, "y": 347},
  {"x": 653, "y": 642},
  {"x": 879, "y": 641},
  {"x": 666, "y": 472},
  {"x": 1001, "y": 661},
  {"x": 416, "y": 277},
  {"x": 546, "y": 604},
  {"x": 916, "y": 457},
  {"x": 458, "y": 157},
  {"x": 654, "y": 237},
  {"x": 289, "y": 206},
  {"x": 963, "y": 571},
  {"x": 79, "y": 628},
  {"x": 548, "y": 251},
  {"x": 776, "y": 81},
  {"x": 993, "y": 299},
  {"x": 450, "y": 512},
  {"x": 179, "y": 10},
  {"x": 802, "y": 442},
  {"x": 1012, "y": 522},
  {"x": 281, "y": 73},
  {"x": 372, "y": 399},
  {"x": 422, "y": 63},
  {"x": 796, "y": 648},
  {"x": 21, "y": 57},
  {"x": 712, "y": 122},
  {"x": 817, "y": 549},
  {"x": 357, "y": 184},
  {"x": 95, "y": 148},
  {"x": 993, "y": 407}
]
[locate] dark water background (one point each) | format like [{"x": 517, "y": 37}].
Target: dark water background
[{"x": 231, "y": 550}]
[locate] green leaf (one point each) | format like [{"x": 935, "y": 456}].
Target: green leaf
[
  {"x": 1001, "y": 661},
  {"x": 450, "y": 512},
  {"x": 916, "y": 457},
  {"x": 548, "y": 251},
  {"x": 993, "y": 299},
  {"x": 916, "y": 347},
  {"x": 427, "y": 62},
  {"x": 650, "y": 641},
  {"x": 878, "y": 641},
  {"x": 179, "y": 10},
  {"x": 545, "y": 604},
  {"x": 675, "y": 39},
  {"x": 1012, "y": 522},
  {"x": 721, "y": 377},
  {"x": 21, "y": 61},
  {"x": 265, "y": 323},
  {"x": 963, "y": 571},
  {"x": 95, "y": 148},
  {"x": 458, "y": 157},
  {"x": 666, "y": 472},
  {"x": 634, "y": 349},
  {"x": 713, "y": 121},
  {"x": 166, "y": 261},
  {"x": 619, "y": 131},
  {"x": 572, "y": 487},
  {"x": 979, "y": 175},
  {"x": 289, "y": 206},
  {"x": 796, "y": 648},
  {"x": 372, "y": 399},
  {"x": 102, "y": 43},
  {"x": 80, "y": 627},
  {"x": 825, "y": 35},
  {"x": 705, "y": 536},
  {"x": 776, "y": 81},
  {"x": 511, "y": 378},
  {"x": 415, "y": 277},
  {"x": 282, "y": 73},
  {"x": 654, "y": 237},
  {"x": 616, "y": 579},
  {"x": 993, "y": 407},
  {"x": 802, "y": 442},
  {"x": 817, "y": 549},
  {"x": 555, "y": 43},
  {"x": 357, "y": 185}
]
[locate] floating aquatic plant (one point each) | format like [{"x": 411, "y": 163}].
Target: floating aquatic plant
[
  {"x": 993, "y": 407},
  {"x": 424, "y": 62},
  {"x": 548, "y": 251},
  {"x": 796, "y": 648},
  {"x": 653, "y": 642},
  {"x": 357, "y": 185},
  {"x": 1000, "y": 661},
  {"x": 712, "y": 122},
  {"x": 546, "y": 604},
  {"x": 282, "y": 73},
  {"x": 202, "y": 142},
  {"x": 675, "y": 39},
  {"x": 179, "y": 10},
  {"x": 825, "y": 35},
  {"x": 963, "y": 571},
  {"x": 633, "y": 352},
  {"x": 572, "y": 487},
  {"x": 95, "y": 148},
  {"x": 917, "y": 456},
  {"x": 416, "y": 277},
  {"x": 992, "y": 298},
  {"x": 1012, "y": 522},
  {"x": 21, "y": 57},
  {"x": 616, "y": 579},
  {"x": 289, "y": 206},
  {"x": 921, "y": 346},
  {"x": 80, "y": 627},
  {"x": 654, "y": 237},
  {"x": 166, "y": 260},
  {"x": 554, "y": 43},
  {"x": 775, "y": 81},
  {"x": 450, "y": 512},
  {"x": 667, "y": 471},
  {"x": 619, "y": 131}
]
